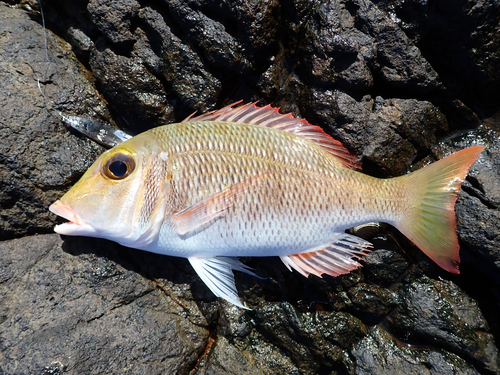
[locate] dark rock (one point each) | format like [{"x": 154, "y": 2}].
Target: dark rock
[
  {"x": 438, "y": 313},
  {"x": 68, "y": 308},
  {"x": 455, "y": 36},
  {"x": 114, "y": 19},
  {"x": 388, "y": 133},
  {"x": 187, "y": 75},
  {"x": 130, "y": 86},
  {"x": 384, "y": 267},
  {"x": 240, "y": 349},
  {"x": 36, "y": 84},
  {"x": 378, "y": 354},
  {"x": 374, "y": 76},
  {"x": 335, "y": 52},
  {"x": 314, "y": 341},
  {"x": 348, "y": 43},
  {"x": 220, "y": 48},
  {"x": 371, "y": 301},
  {"x": 227, "y": 357},
  {"x": 399, "y": 62},
  {"x": 401, "y": 127}
]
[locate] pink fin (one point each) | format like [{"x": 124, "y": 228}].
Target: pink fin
[
  {"x": 197, "y": 215},
  {"x": 210, "y": 116},
  {"x": 429, "y": 219},
  {"x": 271, "y": 118},
  {"x": 335, "y": 259}
]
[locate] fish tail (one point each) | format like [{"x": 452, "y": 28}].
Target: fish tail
[{"x": 429, "y": 217}]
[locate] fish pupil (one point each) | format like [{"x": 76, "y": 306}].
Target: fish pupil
[
  {"x": 118, "y": 168},
  {"x": 119, "y": 165}
]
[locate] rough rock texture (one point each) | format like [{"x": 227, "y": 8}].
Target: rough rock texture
[
  {"x": 35, "y": 84},
  {"x": 401, "y": 83},
  {"x": 455, "y": 36},
  {"x": 61, "y": 306}
]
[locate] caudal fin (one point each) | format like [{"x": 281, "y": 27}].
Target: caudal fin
[{"x": 429, "y": 219}]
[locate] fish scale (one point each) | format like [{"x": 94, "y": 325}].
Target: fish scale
[
  {"x": 267, "y": 207},
  {"x": 248, "y": 181}
]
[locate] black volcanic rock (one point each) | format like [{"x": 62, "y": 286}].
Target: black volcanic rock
[{"x": 400, "y": 83}]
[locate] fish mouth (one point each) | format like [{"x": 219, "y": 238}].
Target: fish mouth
[{"x": 75, "y": 226}]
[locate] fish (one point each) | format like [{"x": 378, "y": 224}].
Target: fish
[{"x": 248, "y": 181}]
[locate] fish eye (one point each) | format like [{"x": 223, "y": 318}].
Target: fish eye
[{"x": 119, "y": 165}]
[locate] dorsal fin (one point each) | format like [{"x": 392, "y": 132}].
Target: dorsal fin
[{"x": 270, "y": 117}]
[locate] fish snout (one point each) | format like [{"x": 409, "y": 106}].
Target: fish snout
[{"x": 75, "y": 225}]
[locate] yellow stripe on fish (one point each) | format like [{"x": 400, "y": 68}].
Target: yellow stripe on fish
[{"x": 248, "y": 181}]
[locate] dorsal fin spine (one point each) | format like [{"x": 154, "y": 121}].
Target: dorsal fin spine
[{"x": 270, "y": 117}]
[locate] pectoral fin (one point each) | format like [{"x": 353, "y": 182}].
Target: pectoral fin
[
  {"x": 334, "y": 259},
  {"x": 201, "y": 213},
  {"x": 217, "y": 274}
]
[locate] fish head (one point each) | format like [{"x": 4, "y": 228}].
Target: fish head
[{"x": 121, "y": 197}]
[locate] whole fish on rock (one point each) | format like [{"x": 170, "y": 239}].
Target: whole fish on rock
[{"x": 249, "y": 181}]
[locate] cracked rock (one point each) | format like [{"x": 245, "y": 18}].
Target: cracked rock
[
  {"x": 36, "y": 85},
  {"x": 400, "y": 83},
  {"x": 68, "y": 307}
]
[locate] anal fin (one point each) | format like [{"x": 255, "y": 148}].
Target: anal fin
[
  {"x": 337, "y": 258},
  {"x": 217, "y": 274}
]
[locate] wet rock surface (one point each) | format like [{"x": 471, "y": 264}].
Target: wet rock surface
[
  {"x": 35, "y": 85},
  {"x": 401, "y": 83},
  {"x": 62, "y": 306}
]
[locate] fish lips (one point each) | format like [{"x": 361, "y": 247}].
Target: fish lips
[{"x": 76, "y": 225}]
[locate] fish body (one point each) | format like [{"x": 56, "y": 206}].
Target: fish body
[
  {"x": 248, "y": 181},
  {"x": 275, "y": 213}
]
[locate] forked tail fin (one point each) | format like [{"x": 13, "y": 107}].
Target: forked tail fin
[{"x": 429, "y": 219}]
